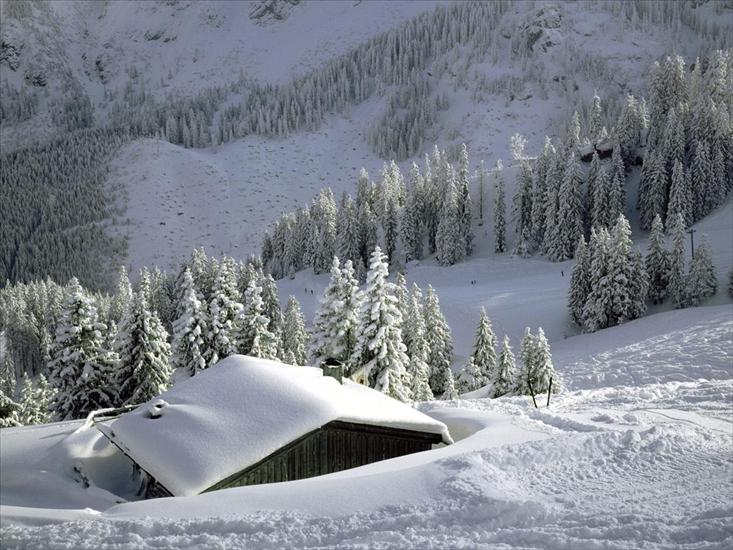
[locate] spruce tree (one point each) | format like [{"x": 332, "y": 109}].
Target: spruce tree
[
  {"x": 527, "y": 361},
  {"x": 598, "y": 306},
  {"x": 679, "y": 196},
  {"x": 599, "y": 213},
  {"x": 596, "y": 119},
  {"x": 628, "y": 278},
  {"x": 505, "y": 380},
  {"x": 484, "y": 350},
  {"x": 676, "y": 287},
  {"x": 464, "y": 204},
  {"x": 255, "y": 338},
  {"x": 657, "y": 263},
  {"x": 653, "y": 190},
  {"x": 380, "y": 351},
  {"x": 450, "y": 244},
  {"x": 189, "y": 329},
  {"x": 542, "y": 370},
  {"x": 440, "y": 343},
  {"x": 144, "y": 354},
  {"x": 36, "y": 401},
  {"x": 616, "y": 190},
  {"x": 122, "y": 297},
  {"x": 701, "y": 281},
  {"x": 80, "y": 368},
  {"x": 499, "y": 212},
  {"x": 225, "y": 308},
  {"x": 470, "y": 378},
  {"x": 450, "y": 392},
  {"x": 569, "y": 214},
  {"x": 294, "y": 334},
  {"x": 579, "y": 282}
]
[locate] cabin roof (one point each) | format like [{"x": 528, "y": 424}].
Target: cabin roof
[{"x": 240, "y": 411}]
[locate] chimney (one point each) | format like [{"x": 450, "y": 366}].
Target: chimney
[{"x": 333, "y": 368}]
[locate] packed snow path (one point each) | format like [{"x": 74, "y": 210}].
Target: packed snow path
[{"x": 644, "y": 460}]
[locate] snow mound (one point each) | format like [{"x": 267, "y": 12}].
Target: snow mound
[{"x": 240, "y": 411}]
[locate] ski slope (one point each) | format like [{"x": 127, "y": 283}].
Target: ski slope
[{"x": 628, "y": 462}]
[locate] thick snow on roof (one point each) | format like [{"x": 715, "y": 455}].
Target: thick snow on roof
[{"x": 238, "y": 412}]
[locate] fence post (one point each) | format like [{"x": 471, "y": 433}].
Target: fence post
[
  {"x": 549, "y": 392},
  {"x": 531, "y": 391}
]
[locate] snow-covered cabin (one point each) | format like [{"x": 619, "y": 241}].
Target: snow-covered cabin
[{"x": 246, "y": 421}]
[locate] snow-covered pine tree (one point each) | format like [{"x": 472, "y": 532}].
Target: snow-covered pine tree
[
  {"x": 505, "y": 380},
  {"x": 702, "y": 181},
  {"x": 591, "y": 184},
  {"x": 449, "y": 242},
  {"x": 464, "y": 203},
  {"x": 527, "y": 361},
  {"x": 271, "y": 304},
  {"x": 484, "y": 350},
  {"x": 657, "y": 263},
  {"x": 323, "y": 212},
  {"x": 380, "y": 350},
  {"x": 122, "y": 297},
  {"x": 542, "y": 369},
  {"x": 679, "y": 196},
  {"x": 440, "y": 343},
  {"x": 628, "y": 279},
  {"x": 144, "y": 353},
  {"x": 579, "y": 282},
  {"x": 616, "y": 189},
  {"x": 450, "y": 392},
  {"x": 419, "y": 371},
  {"x": 628, "y": 128},
  {"x": 652, "y": 190},
  {"x": 412, "y": 215},
  {"x": 347, "y": 233},
  {"x": 676, "y": 286},
  {"x": 189, "y": 349},
  {"x": 701, "y": 282},
  {"x": 334, "y": 327},
  {"x": 598, "y": 306},
  {"x": 470, "y": 377},
  {"x": 499, "y": 211},
  {"x": 539, "y": 193},
  {"x": 294, "y": 346},
  {"x": 36, "y": 401},
  {"x": 596, "y": 119},
  {"x": 8, "y": 411},
  {"x": 255, "y": 338},
  {"x": 80, "y": 368},
  {"x": 554, "y": 180},
  {"x": 225, "y": 308},
  {"x": 569, "y": 214},
  {"x": 523, "y": 203},
  {"x": 413, "y": 324},
  {"x": 599, "y": 213}
]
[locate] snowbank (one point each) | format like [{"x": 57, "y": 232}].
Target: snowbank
[{"x": 240, "y": 411}]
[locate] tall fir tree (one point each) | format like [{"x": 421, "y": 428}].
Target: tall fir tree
[
  {"x": 702, "y": 283},
  {"x": 596, "y": 311},
  {"x": 440, "y": 343},
  {"x": 543, "y": 371},
  {"x": 189, "y": 329},
  {"x": 294, "y": 335},
  {"x": 505, "y": 380},
  {"x": 679, "y": 196},
  {"x": 677, "y": 283},
  {"x": 499, "y": 212},
  {"x": 380, "y": 350},
  {"x": 225, "y": 308},
  {"x": 579, "y": 282},
  {"x": 255, "y": 337},
  {"x": 122, "y": 297},
  {"x": 451, "y": 392},
  {"x": 569, "y": 214},
  {"x": 628, "y": 278},
  {"x": 144, "y": 353},
  {"x": 36, "y": 401},
  {"x": 484, "y": 350},
  {"x": 450, "y": 245},
  {"x": 657, "y": 263},
  {"x": 81, "y": 369}
]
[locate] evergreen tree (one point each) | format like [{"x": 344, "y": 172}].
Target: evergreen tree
[
  {"x": 676, "y": 287},
  {"x": 628, "y": 279},
  {"x": 523, "y": 201},
  {"x": 470, "y": 378},
  {"x": 80, "y": 367},
  {"x": 569, "y": 214},
  {"x": 255, "y": 338},
  {"x": 411, "y": 223},
  {"x": 347, "y": 233},
  {"x": 528, "y": 360},
  {"x": 579, "y": 282},
  {"x": 144, "y": 353},
  {"x": 616, "y": 191},
  {"x": 450, "y": 244},
  {"x": 294, "y": 335},
  {"x": 657, "y": 263},
  {"x": 418, "y": 351},
  {"x": 702, "y": 181},
  {"x": 679, "y": 196},
  {"x": 484, "y": 350},
  {"x": 542, "y": 370},
  {"x": 379, "y": 335},
  {"x": 596, "y": 119},
  {"x": 499, "y": 212},
  {"x": 440, "y": 343},
  {"x": 464, "y": 203},
  {"x": 652, "y": 191},
  {"x": 189, "y": 329},
  {"x": 701, "y": 281},
  {"x": 122, "y": 297},
  {"x": 225, "y": 308},
  {"x": 594, "y": 173},
  {"x": 36, "y": 401},
  {"x": 505, "y": 380},
  {"x": 599, "y": 214},
  {"x": 450, "y": 392},
  {"x": 596, "y": 313}
]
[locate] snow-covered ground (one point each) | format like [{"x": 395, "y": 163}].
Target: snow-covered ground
[{"x": 637, "y": 452}]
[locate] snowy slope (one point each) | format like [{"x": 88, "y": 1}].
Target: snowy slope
[{"x": 629, "y": 463}]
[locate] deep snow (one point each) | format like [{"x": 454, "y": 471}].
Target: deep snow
[{"x": 643, "y": 460}]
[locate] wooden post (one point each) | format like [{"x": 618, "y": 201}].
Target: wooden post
[
  {"x": 549, "y": 392},
  {"x": 531, "y": 391}
]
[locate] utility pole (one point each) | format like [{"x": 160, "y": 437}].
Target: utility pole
[{"x": 692, "y": 240}]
